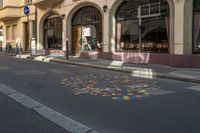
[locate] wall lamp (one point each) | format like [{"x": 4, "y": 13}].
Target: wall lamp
[
  {"x": 105, "y": 7},
  {"x": 62, "y": 16}
]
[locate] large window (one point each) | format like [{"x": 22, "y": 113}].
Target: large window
[
  {"x": 196, "y": 33},
  {"x": 53, "y": 32},
  {"x": 143, "y": 26},
  {"x": 88, "y": 22}
]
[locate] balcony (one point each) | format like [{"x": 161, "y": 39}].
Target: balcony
[
  {"x": 9, "y": 13},
  {"x": 46, "y": 3}
]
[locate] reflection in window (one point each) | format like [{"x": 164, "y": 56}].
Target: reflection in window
[
  {"x": 196, "y": 37},
  {"x": 53, "y": 32},
  {"x": 154, "y": 29}
]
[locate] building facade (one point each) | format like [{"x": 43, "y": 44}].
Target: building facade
[
  {"x": 17, "y": 32},
  {"x": 139, "y": 31}
]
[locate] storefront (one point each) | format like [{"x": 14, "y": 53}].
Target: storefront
[
  {"x": 87, "y": 30},
  {"x": 143, "y": 26},
  {"x": 53, "y": 32}
]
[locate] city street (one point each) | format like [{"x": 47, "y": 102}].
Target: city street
[{"x": 106, "y": 101}]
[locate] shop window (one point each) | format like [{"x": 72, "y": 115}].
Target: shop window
[
  {"x": 87, "y": 30},
  {"x": 196, "y": 27},
  {"x": 53, "y": 32},
  {"x": 143, "y": 26}
]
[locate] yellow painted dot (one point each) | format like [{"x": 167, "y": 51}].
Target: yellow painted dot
[
  {"x": 129, "y": 91},
  {"x": 142, "y": 91},
  {"x": 126, "y": 97},
  {"x": 130, "y": 94}
]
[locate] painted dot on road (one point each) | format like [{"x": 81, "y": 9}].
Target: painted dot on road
[{"x": 126, "y": 97}]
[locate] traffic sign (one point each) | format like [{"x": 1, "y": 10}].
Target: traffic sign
[{"x": 26, "y": 10}]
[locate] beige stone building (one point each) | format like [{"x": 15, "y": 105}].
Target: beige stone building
[
  {"x": 140, "y": 31},
  {"x": 17, "y": 32}
]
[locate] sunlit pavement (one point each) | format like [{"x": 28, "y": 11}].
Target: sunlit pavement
[{"x": 107, "y": 101}]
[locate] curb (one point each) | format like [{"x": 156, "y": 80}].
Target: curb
[
  {"x": 154, "y": 74},
  {"x": 8, "y": 54}
]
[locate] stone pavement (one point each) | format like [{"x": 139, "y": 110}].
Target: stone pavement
[{"x": 137, "y": 70}]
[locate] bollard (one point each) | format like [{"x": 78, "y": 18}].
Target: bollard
[{"x": 67, "y": 53}]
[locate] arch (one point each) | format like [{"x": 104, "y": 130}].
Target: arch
[
  {"x": 41, "y": 27},
  {"x": 112, "y": 16},
  {"x": 72, "y": 13}
]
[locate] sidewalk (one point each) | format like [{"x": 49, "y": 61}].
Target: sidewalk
[{"x": 137, "y": 70}]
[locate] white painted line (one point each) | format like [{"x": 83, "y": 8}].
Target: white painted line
[
  {"x": 62, "y": 120},
  {"x": 25, "y": 100},
  {"x": 56, "y": 117},
  {"x": 195, "y": 88},
  {"x": 6, "y": 90}
]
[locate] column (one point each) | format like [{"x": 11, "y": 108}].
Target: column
[
  {"x": 178, "y": 27},
  {"x": 106, "y": 27}
]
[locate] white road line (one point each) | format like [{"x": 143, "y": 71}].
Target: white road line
[
  {"x": 56, "y": 117},
  {"x": 195, "y": 88}
]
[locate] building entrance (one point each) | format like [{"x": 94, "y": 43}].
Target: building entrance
[{"x": 87, "y": 30}]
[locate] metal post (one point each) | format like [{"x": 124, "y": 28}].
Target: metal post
[
  {"x": 140, "y": 26},
  {"x": 67, "y": 51},
  {"x": 36, "y": 21},
  {"x": 29, "y": 43}
]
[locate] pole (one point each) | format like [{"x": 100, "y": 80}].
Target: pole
[
  {"x": 67, "y": 51},
  {"x": 29, "y": 43},
  {"x": 140, "y": 26},
  {"x": 36, "y": 20}
]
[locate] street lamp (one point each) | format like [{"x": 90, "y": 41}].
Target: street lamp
[
  {"x": 105, "y": 7},
  {"x": 67, "y": 53}
]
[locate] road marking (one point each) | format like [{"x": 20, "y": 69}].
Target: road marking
[
  {"x": 56, "y": 117},
  {"x": 195, "y": 88}
]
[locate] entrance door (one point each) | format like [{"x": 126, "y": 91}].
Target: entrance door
[
  {"x": 26, "y": 38},
  {"x": 76, "y": 40}
]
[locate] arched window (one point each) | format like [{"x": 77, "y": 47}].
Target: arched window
[
  {"x": 196, "y": 26},
  {"x": 53, "y": 32},
  {"x": 143, "y": 25},
  {"x": 87, "y": 30}
]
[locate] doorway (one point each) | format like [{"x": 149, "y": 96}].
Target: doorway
[
  {"x": 87, "y": 30},
  {"x": 26, "y": 38},
  {"x": 76, "y": 40}
]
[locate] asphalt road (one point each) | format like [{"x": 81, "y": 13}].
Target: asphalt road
[
  {"x": 14, "y": 118},
  {"x": 107, "y": 101}
]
